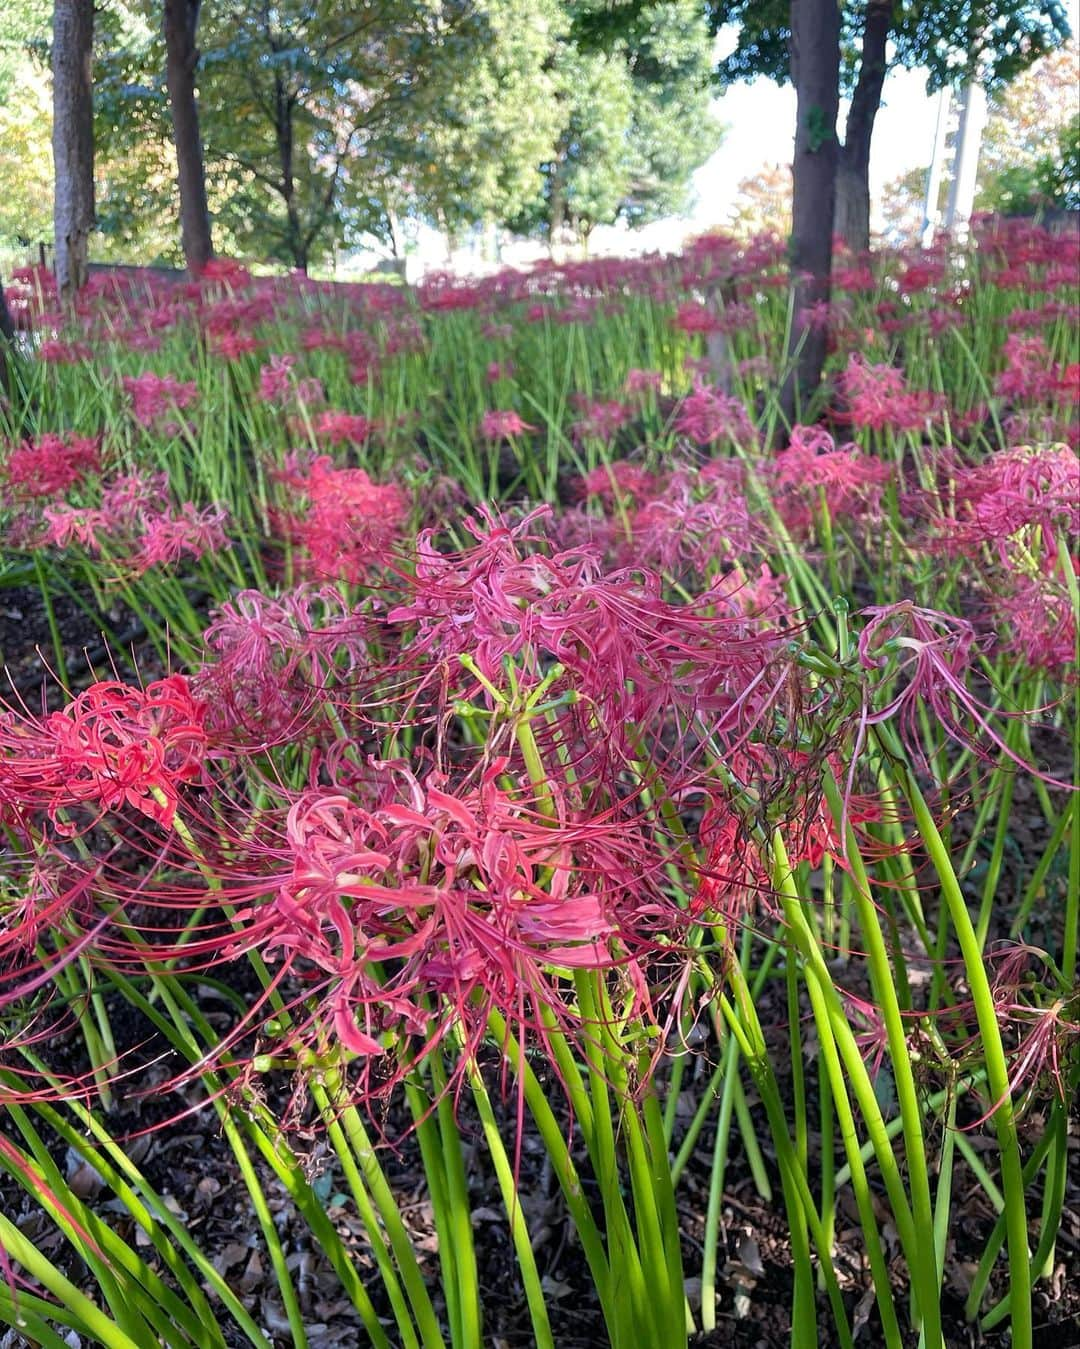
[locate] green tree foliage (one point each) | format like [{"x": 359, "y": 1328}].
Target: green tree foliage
[
  {"x": 633, "y": 86},
  {"x": 25, "y": 124},
  {"x": 478, "y": 157},
  {"x": 323, "y": 122},
  {"x": 947, "y": 37},
  {"x": 1029, "y": 150}
]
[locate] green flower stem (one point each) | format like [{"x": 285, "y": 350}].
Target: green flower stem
[
  {"x": 997, "y": 1069},
  {"x": 883, "y": 982},
  {"x": 92, "y": 1321},
  {"x": 558, "y": 1151},
  {"x": 729, "y": 1069},
  {"x": 504, "y": 1172}
]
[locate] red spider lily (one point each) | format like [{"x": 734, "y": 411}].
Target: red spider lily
[
  {"x": 599, "y": 420},
  {"x": 694, "y": 317},
  {"x": 1039, "y": 619},
  {"x": 497, "y": 425},
  {"x": 850, "y": 480},
  {"x": 275, "y": 378},
  {"x": 1009, "y": 492},
  {"x": 337, "y": 428},
  {"x": 436, "y": 905},
  {"x": 167, "y": 537},
  {"x": 696, "y": 521},
  {"x": 272, "y": 661},
  {"x": 349, "y": 525},
  {"x": 53, "y": 464},
  {"x": 1040, "y": 1024},
  {"x": 154, "y": 396},
  {"x": 621, "y": 478},
  {"x": 708, "y": 416},
  {"x": 624, "y": 648},
  {"x": 643, "y": 381},
  {"x": 928, "y": 654},
  {"x": 1029, "y": 372},
  {"x": 66, "y": 525},
  {"x": 55, "y": 352},
  {"x": 234, "y": 346},
  {"x": 877, "y": 397},
  {"x": 111, "y": 746}
]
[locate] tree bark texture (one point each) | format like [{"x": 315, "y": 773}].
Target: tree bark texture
[
  {"x": 73, "y": 140},
  {"x": 853, "y": 170},
  {"x": 815, "y": 71},
  {"x": 181, "y": 21}
]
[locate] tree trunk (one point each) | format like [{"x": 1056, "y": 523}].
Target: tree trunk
[
  {"x": 284, "y": 106},
  {"x": 7, "y": 326},
  {"x": 853, "y": 172},
  {"x": 7, "y": 341},
  {"x": 815, "y": 71},
  {"x": 181, "y": 21},
  {"x": 73, "y": 140}
]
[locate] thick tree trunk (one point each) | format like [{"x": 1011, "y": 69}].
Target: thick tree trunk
[
  {"x": 181, "y": 21},
  {"x": 73, "y": 140},
  {"x": 815, "y": 71},
  {"x": 853, "y": 172}
]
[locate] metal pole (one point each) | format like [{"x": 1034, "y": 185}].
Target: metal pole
[
  {"x": 931, "y": 212},
  {"x": 966, "y": 161}
]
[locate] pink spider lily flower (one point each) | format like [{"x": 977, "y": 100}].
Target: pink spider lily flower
[
  {"x": 1010, "y": 492},
  {"x": 112, "y": 746},
  {"x": 433, "y": 906},
  {"x": 1029, "y": 375},
  {"x": 629, "y": 656},
  {"x": 1037, "y": 620},
  {"x": 695, "y": 317},
  {"x": 167, "y": 537},
  {"x": 54, "y": 352},
  {"x": 877, "y": 397},
  {"x": 52, "y": 465},
  {"x": 497, "y": 425},
  {"x": 622, "y": 478},
  {"x": 681, "y": 526},
  {"x": 641, "y": 382},
  {"x": 851, "y": 481},
  {"x": 350, "y": 524},
  {"x": 275, "y": 379},
  {"x": 708, "y": 416},
  {"x": 336, "y": 428},
  {"x": 928, "y": 654},
  {"x": 66, "y": 525},
  {"x": 599, "y": 420},
  {"x": 271, "y": 662},
  {"x": 233, "y": 346},
  {"x": 155, "y": 396}
]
